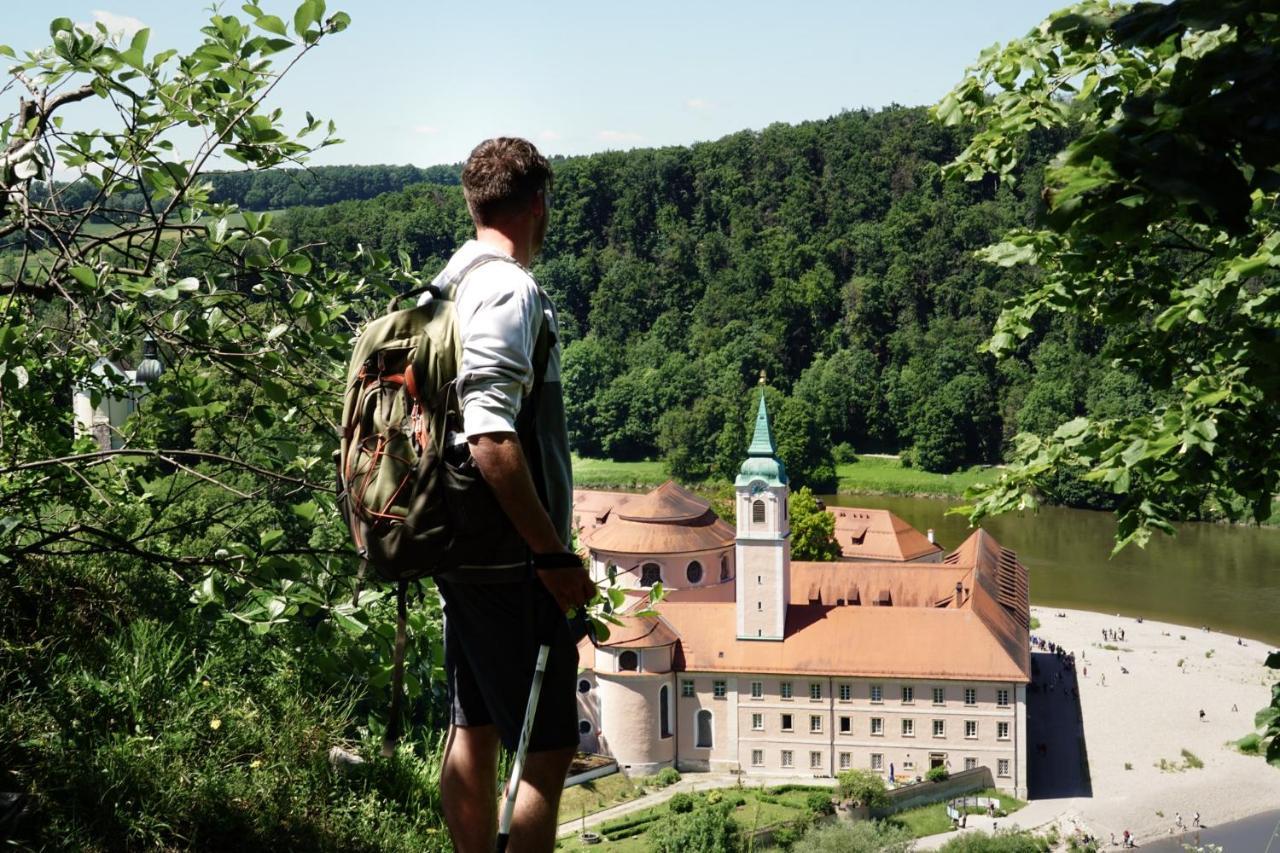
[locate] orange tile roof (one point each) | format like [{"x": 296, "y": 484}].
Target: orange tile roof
[
  {"x": 878, "y": 534},
  {"x": 592, "y": 509},
  {"x": 641, "y": 632},
  {"x": 668, "y": 520},
  {"x": 922, "y": 633}
]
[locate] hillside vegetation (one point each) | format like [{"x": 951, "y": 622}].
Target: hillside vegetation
[{"x": 829, "y": 255}]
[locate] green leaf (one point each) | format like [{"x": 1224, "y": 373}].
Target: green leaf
[
  {"x": 306, "y": 15},
  {"x": 273, "y": 24},
  {"x": 140, "y": 39},
  {"x": 277, "y": 331},
  {"x": 306, "y": 511},
  {"x": 85, "y": 276},
  {"x": 60, "y": 25},
  {"x": 5, "y": 50},
  {"x": 339, "y": 22},
  {"x": 275, "y": 392},
  {"x": 297, "y": 264},
  {"x": 268, "y": 538}
]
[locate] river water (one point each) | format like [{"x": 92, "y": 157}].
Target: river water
[{"x": 1222, "y": 576}]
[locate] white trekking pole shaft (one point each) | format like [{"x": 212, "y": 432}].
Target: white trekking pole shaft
[{"x": 517, "y": 766}]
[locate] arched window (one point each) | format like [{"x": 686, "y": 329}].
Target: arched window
[
  {"x": 757, "y": 512},
  {"x": 584, "y": 727},
  {"x": 650, "y": 573},
  {"x": 724, "y": 567},
  {"x": 664, "y": 712},
  {"x": 703, "y": 729},
  {"x": 694, "y": 572},
  {"x": 628, "y": 661}
]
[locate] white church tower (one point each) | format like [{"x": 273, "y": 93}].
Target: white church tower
[{"x": 763, "y": 549}]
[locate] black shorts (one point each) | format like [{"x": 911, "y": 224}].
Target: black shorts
[{"x": 491, "y": 636}]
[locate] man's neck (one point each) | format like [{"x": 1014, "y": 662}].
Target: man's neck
[{"x": 503, "y": 242}]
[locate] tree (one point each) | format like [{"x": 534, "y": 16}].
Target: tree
[
  {"x": 711, "y": 829},
  {"x": 864, "y": 788},
  {"x": 812, "y": 528},
  {"x": 1161, "y": 224},
  {"x": 866, "y": 836}
]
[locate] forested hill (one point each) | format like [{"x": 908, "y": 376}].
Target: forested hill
[
  {"x": 272, "y": 189},
  {"x": 830, "y": 255}
]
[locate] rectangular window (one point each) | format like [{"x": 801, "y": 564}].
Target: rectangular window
[
  {"x": 757, "y": 722},
  {"x": 757, "y": 689},
  {"x": 787, "y": 759},
  {"x": 970, "y": 728},
  {"x": 1002, "y": 731},
  {"x": 846, "y": 692},
  {"x": 686, "y": 689},
  {"x": 1002, "y": 698},
  {"x": 1002, "y": 767},
  {"x": 877, "y": 725},
  {"x": 908, "y": 764},
  {"x": 815, "y": 723},
  {"x": 970, "y": 696},
  {"x": 908, "y": 728},
  {"x": 971, "y": 763},
  {"x": 877, "y": 693},
  {"x": 939, "y": 728},
  {"x": 846, "y": 725},
  {"x": 757, "y": 758},
  {"x": 815, "y": 689},
  {"x": 877, "y": 761},
  {"x": 815, "y": 760},
  {"x": 908, "y": 695},
  {"x": 786, "y": 722},
  {"x": 718, "y": 689},
  {"x": 845, "y": 762},
  {"x": 784, "y": 690},
  {"x": 939, "y": 695}
]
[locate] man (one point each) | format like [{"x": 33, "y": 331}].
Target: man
[{"x": 495, "y": 618}]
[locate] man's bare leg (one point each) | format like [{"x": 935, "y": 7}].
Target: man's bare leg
[
  {"x": 468, "y": 787},
  {"x": 534, "y": 828}
]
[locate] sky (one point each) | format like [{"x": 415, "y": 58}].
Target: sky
[{"x": 423, "y": 82}]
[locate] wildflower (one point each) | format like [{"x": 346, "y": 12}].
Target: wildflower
[
  {"x": 215, "y": 724},
  {"x": 255, "y": 764}
]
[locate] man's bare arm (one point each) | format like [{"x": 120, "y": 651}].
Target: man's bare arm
[{"x": 502, "y": 463}]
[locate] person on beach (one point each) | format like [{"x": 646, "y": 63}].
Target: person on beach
[
  {"x": 1202, "y": 715},
  {"x": 1195, "y": 821}
]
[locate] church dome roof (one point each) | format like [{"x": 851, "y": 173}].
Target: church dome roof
[{"x": 668, "y": 520}]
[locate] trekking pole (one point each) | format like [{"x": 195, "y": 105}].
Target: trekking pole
[{"x": 517, "y": 766}]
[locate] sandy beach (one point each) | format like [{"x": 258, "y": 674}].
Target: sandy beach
[{"x": 1135, "y": 719}]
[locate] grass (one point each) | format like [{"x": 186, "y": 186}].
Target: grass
[
  {"x": 760, "y": 809},
  {"x": 1190, "y": 761},
  {"x": 1250, "y": 744},
  {"x": 597, "y": 795},
  {"x": 878, "y": 475},
  {"x": 1035, "y": 624},
  {"x": 607, "y": 474},
  {"x": 932, "y": 819}
]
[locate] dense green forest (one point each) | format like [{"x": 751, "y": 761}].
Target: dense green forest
[
  {"x": 831, "y": 255},
  {"x": 270, "y": 189}
]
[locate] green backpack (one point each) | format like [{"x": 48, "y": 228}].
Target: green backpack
[{"x": 415, "y": 506}]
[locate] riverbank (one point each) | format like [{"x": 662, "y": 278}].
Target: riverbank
[{"x": 1151, "y": 756}]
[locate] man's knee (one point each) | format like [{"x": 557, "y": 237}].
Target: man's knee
[
  {"x": 472, "y": 750},
  {"x": 548, "y": 769}
]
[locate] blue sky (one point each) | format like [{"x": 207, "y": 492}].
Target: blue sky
[{"x": 422, "y": 82}]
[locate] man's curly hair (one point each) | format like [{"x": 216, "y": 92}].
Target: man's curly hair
[{"x": 502, "y": 177}]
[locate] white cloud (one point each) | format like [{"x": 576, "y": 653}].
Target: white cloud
[
  {"x": 121, "y": 26},
  {"x": 549, "y": 136},
  {"x": 619, "y": 136},
  {"x": 426, "y": 130},
  {"x": 698, "y": 104}
]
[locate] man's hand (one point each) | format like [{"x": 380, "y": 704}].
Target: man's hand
[{"x": 569, "y": 587}]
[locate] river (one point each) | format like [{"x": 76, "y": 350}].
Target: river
[{"x": 1225, "y": 577}]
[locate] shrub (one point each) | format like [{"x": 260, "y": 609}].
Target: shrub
[
  {"x": 1250, "y": 744},
  {"x": 1128, "y": 765},
  {"x": 1000, "y": 842},
  {"x": 1035, "y": 623},
  {"x": 864, "y": 788},
  {"x": 843, "y": 453},
  {"x": 1190, "y": 759},
  {"x": 868, "y": 836},
  {"x": 819, "y": 802},
  {"x": 666, "y": 776},
  {"x": 680, "y": 803},
  {"x": 714, "y": 797},
  {"x": 708, "y": 830},
  {"x": 938, "y": 774}
]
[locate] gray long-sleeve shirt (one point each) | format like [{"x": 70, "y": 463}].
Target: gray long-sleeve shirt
[{"x": 500, "y": 308}]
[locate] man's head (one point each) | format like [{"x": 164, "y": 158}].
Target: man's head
[{"x": 506, "y": 184}]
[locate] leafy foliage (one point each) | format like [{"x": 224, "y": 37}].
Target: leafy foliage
[
  {"x": 862, "y": 837},
  {"x": 864, "y": 788},
  {"x": 1160, "y": 225},
  {"x": 812, "y": 528},
  {"x": 710, "y": 828}
]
